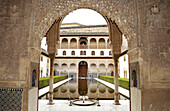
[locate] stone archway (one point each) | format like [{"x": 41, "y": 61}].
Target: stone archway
[{"x": 144, "y": 23}]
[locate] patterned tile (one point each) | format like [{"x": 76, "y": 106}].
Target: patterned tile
[{"x": 10, "y": 99}]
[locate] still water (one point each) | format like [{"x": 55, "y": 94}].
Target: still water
[{"x": 83, "y": 87}]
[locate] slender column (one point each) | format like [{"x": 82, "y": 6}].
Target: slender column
[
  {"x": 116, "y": 82},
  {"x": 77, "y": 43},
  {"x": 97, "y": 43},
  {"x": 52, "y": 57},
  {"x": 68, "y": 43},
  {"x": 106, "y": 43}
]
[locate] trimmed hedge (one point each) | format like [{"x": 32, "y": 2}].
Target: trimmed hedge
[
  {"x": 122, "y": 81},
  {"x": 44, "y": 81}
]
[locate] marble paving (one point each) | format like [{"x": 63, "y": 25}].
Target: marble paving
[{"x": 63, "y": 105}]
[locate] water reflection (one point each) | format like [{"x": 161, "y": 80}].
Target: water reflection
[{"x": 83, "y": 87}]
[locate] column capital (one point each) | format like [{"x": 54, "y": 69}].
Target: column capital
[{"x": 52, "y": 55}]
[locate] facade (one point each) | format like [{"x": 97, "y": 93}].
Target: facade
[
  {"x": 90, "y": 44},
  {"x": 44, "y": 60}
]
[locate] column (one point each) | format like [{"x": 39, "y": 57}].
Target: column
[
  {"x": 97, "y": 43},
  {"x": 116, "y": 82},
  {"x": 52, "y": 57},
  {"x": 68, "y": 43},
  {"x": 106, "y": 43},
  {"x": 77, "y": 43},
  {"x": 88, "y": 43}
]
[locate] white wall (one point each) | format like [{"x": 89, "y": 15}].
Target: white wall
[
  {"x": 88, "y": 52},
  {"x": 44, "y": 66},
  {"x": 124, "y": 66}
]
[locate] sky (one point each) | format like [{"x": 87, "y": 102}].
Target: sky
[{"x": 85, "y": 17}]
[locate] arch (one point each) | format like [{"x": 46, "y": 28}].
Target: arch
[
  {"x": 73, "y": 43},
  {"x": 56, "y": 66},
  {"x": 64, "y": 67},
  {"x": 93, "y": 43},
  {"x": 102, "y": 43},
  {"x": 64, "y": 43},
  {"x": 93, "y": 67},
  {"x": 73, "y": 67},
  {"x": 107, "y": 13},
  {"x": 110, "y": 67},
  {"x": 102, "y": 67},
  {"x": 83, "y": 43}
]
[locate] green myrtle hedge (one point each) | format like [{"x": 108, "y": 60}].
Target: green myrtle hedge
[
  {"x": 44, "y": 81},
  {"x": 122, "y": 81}
]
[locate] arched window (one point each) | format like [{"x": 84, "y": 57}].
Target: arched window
[
  {"x": 101, "y": 44},
  {"x": 73, "y": 53},
  {"x": 64, "y": 52},
  {"x": 101, "y": 52},
  {"x": 93, "y": 53},
  {"x": 64, "y": 44}
]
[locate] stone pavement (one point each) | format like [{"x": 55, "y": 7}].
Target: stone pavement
[{"x": 63, "y": 105}]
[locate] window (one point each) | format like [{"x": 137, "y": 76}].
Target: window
[
  {"x": 102, "y": 53},
  {"x": 64, "y": 52},
  {"x": 47, "y": 60},
  {"x": 81, "y": 52},
  {"x": 84, "y": 52},
  {"x": 93, "y": 53},
  {"x": 73, "y": 53},
  {"x": 110, "y": 53},
  {"x": 41, "y": 58},
  {"x": 124, "y": 58}
]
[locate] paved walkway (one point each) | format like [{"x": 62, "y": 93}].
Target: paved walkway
[
  {"x": 121, "y": 90},
  {"x": 63, "y": 105},
  {"x": 46, "y": 89}
]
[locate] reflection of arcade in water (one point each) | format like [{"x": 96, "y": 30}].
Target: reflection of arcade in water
[{"x": 83, "y": 87}]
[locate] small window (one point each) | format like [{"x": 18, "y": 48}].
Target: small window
[
  {"x": 110, "y": 53},
  {"x": 102, "y": 53},
  {"x": 81, "y": 52},
  {"x": 64, "y": 52},
  {"x": 47, "y": 60},
  {"x": 84, "y": 52},
  {"x": 73, "y": 53},
  {"x": 41, "y": 58},
  {"x": 124, "y": 58},
  {"x": 47, "y": 70},
  {"x": 93, "y": 53}
]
